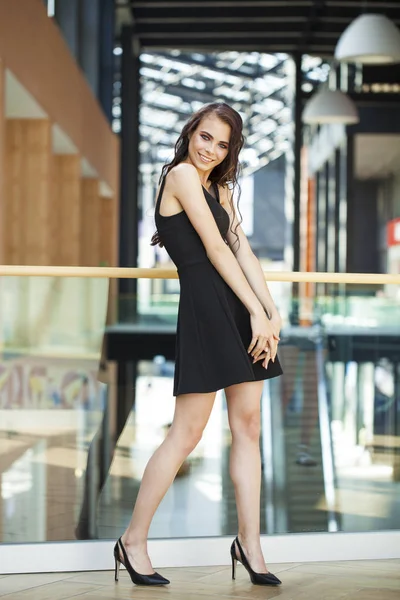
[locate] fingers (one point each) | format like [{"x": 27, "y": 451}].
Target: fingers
[
  {"x": 267, "y": 353},
  {"x": 257, "y": 346},
  {"x": 265, "y": 357},
  {"x": 252, "y": 344},
  {"x": 273, "y": 345}
]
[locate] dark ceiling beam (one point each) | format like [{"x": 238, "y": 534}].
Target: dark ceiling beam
[
  {"x": 369, "y": 4},
  {"x": 258, "y": 4},
  {"x": 287, "y": 47},
  {"x": 173, "y": 36},
  {"x": 287, "y": 26},
  {"x": 244, "y": 28},
  {"x": 211, "y": 4},
  {"x": 339, "y": 18},
  {"x": 335, "y": 15},
  {"x": 181, "y": 19},
  {"x": 340, "y": 11}
]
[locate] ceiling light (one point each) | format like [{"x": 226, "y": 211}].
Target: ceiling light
[
  {"x": 330, "y": 106},
  {"x": 369, "y": 39}
]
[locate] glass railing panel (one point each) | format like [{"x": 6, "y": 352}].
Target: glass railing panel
[
  {"x": 86, "y": 398},
  {"x": 341, "y": 362},
  {"x": 362, "y": 374},
  {"x": 51, "y": 401}
]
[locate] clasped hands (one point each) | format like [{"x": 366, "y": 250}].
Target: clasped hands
[{"x": 265, "y": 337}]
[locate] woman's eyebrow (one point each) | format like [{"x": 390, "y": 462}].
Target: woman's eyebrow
[{"x": 209, "y": 135}]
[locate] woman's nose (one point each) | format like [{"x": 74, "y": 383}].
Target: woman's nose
[{"x": 210, "y": 149}]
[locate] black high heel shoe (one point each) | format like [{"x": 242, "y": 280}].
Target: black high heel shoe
[
  {"x": 256, "y": 578},
  {"x": 137, "y": 578}
]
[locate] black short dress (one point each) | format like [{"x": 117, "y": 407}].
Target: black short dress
[{"x": 213, "y": 330}]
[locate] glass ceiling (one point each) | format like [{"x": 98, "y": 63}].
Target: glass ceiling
[{"x": 174, "y": 84}]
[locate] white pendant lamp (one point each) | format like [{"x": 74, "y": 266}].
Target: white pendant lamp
[
  {"x": 330, "y": 106},
  {"x": 369, "y": 39}
]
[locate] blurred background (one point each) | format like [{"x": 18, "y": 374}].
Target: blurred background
[{"x": 93, "y": 95}]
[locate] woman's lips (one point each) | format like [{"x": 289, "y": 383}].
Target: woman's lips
[{"x": 205, "y": 159}]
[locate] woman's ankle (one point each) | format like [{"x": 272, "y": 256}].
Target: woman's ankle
[
  {"x": 250, "y": 542},
  {"x": 133, "y": 540}
]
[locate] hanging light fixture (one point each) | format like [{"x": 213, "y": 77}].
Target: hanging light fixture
[
  {"x": 369, "y": 39},
  {"x": 330, "y": 106}
]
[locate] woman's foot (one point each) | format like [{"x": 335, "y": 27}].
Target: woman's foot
[
  {"x": 138, "y": 557},
  {"x": 146, "y": 579},
  {"x": 259, "y": 574},
  {"x": 253, "y": 554}
]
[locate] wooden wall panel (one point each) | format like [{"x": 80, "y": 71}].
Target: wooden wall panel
[
  {"x": 66, "y": 211},
  {"x": 33, "y": 48},
  {"x": 28, "y": 157},
  {"x": 106, "y": 230},
  {"x": 90, "y": 219}
]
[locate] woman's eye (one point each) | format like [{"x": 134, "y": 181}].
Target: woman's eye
[{"x": 205, "y": 137}]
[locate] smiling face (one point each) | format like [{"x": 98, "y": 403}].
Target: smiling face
[{"x": 209, "y": 144}]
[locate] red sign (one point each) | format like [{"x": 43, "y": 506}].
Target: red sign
[{"x": 393, "y": 232}]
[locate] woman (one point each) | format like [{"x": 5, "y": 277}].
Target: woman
[{"x": 227, "y": 336}]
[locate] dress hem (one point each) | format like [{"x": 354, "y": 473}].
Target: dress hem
[{"x": 209, "y": 391}]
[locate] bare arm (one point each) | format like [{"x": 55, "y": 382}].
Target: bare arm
[
  {"x": 184, "y": 177},
  {"x": 249, "y": 263}
]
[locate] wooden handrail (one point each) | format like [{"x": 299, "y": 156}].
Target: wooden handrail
[{"x": 131, "y": 273}]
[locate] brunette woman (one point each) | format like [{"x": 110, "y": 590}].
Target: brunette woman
[{"x": 227, "y": 335}]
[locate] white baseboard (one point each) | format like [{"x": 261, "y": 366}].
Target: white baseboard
[{"x": 98, "y": 555}]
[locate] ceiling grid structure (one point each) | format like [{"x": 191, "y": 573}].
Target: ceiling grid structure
[
  {"x": 289, "y": 26},
  {"x": 237, "y": 51}
]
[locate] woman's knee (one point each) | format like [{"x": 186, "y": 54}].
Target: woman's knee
[
  {"x": 246, "y": 424},
  {"x": 186, "y": 438},
  {"x": 192, "y": 412}
]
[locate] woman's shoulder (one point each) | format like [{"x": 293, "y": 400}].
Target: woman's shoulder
[{"x": 182, "y": 171}]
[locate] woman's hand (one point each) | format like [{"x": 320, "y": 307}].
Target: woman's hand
[
  {"x": 276, "y": 323},
  {"x": 266, "y": 355},
  {"x": 263, "y": 338}
]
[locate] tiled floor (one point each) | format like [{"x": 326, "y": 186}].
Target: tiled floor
[{"x": 355, "y": 580}]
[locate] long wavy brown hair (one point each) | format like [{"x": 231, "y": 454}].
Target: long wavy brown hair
[{"x": 227, "y": 172}]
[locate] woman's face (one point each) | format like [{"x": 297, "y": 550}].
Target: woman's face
[{"x": 209, "y": 144}]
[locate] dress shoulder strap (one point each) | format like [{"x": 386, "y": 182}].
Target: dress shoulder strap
[
  {"x": 160, "y": 193},
  {"x": 215, "y": 186}
]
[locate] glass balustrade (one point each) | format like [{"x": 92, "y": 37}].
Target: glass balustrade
[{"x": 86, "y": 397}]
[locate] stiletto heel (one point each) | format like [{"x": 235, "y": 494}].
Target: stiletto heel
[
  {"x": 116, "y": 569},
  {"x": 256, "y": 578},
  {"x": 234, "y": 560},
  {"x": 137, "y": 578}
]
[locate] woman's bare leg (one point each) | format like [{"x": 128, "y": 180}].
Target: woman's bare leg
[
  {"x": 243, "y": 402},
  {"x": 191, "y": 415}
]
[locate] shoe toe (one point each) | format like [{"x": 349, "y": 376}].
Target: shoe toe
[
  {"x": 161, "y": 579},
  {"x": 274, "y": 579}
]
